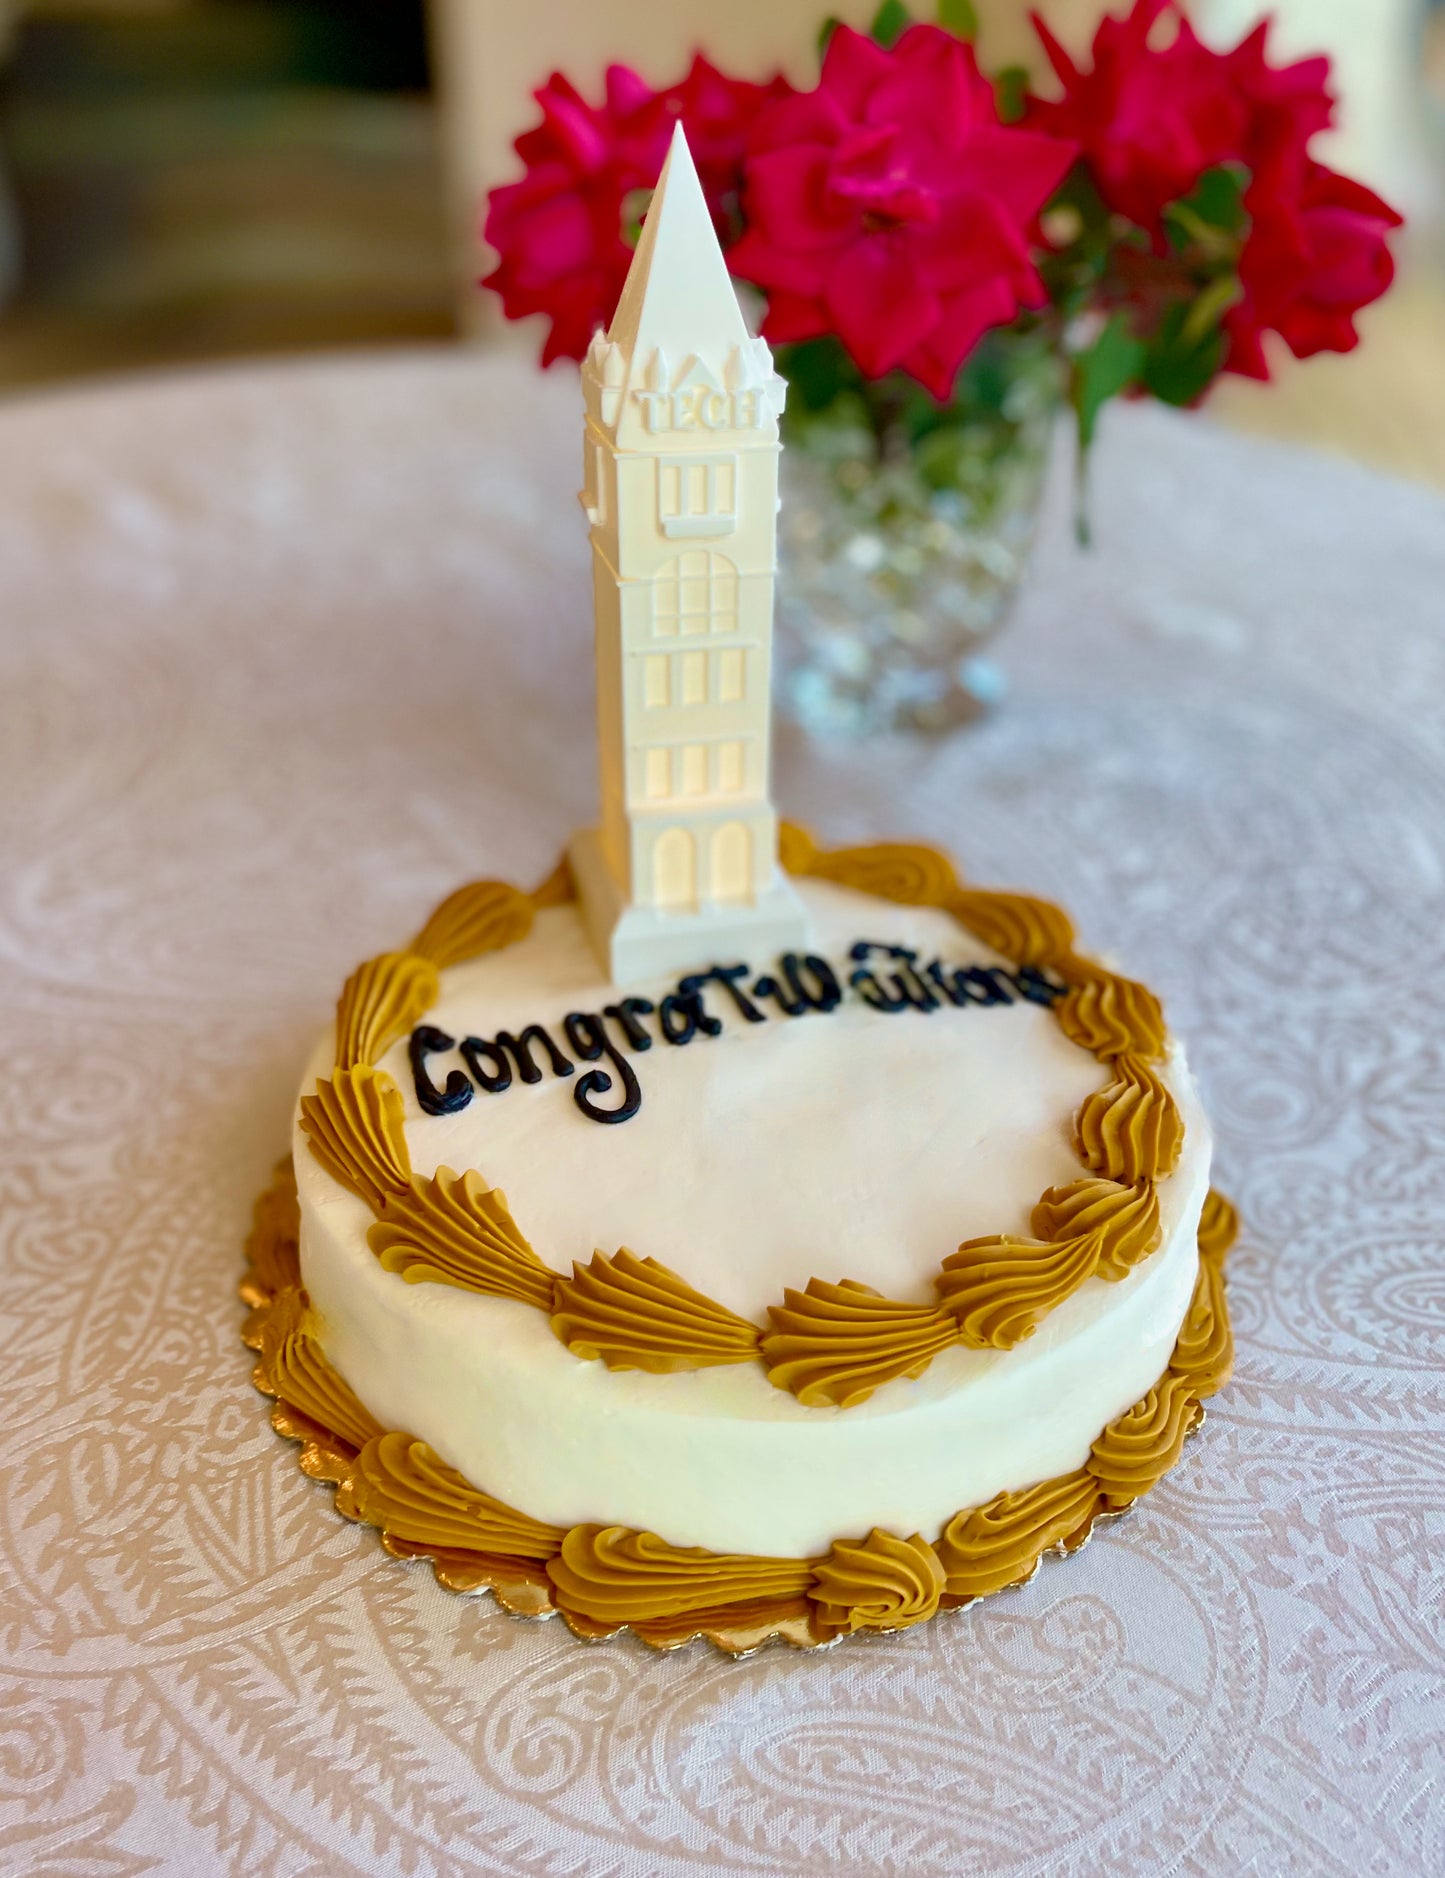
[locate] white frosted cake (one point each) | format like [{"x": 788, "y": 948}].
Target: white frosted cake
[
  {"x": 887, "y": 1280},
  {"x": 731, "y": 1236}
]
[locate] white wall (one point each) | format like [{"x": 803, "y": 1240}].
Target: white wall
[{"x": 1376, "y": 48}]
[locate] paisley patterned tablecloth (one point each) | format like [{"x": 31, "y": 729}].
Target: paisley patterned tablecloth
[{"x": 288, "y": 652}]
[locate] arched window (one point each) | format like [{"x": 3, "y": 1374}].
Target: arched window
[
  {"x": 696, "y": 592},
  {"x": 674, "y": 871}
]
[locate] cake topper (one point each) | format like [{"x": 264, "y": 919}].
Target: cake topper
[{"x": 681, "y": 491}]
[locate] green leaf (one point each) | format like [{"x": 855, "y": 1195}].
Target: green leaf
[
  {"x": 890, "y": 22},
  {"x": 1011, "y": 90},
  {"x": 817, "y": 371},
  {"x": 1218, "y": 197},
  {"x": 959, "y": 17},
  {"x": 1110, "y": 366},
  {"x": 635, "y": 205},
  {"x": 1210, "y": 307},
  {"x": 1212, "y": 216},
  {"x": 826, "y": 32},
  {"x": 939, "y": 457},
  {"x": 1179, "y": 369}
]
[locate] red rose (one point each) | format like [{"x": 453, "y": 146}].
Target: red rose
[
  {"x": 1316, "y": 254},
  {"x": 890, "y": 206},
  {"x": 560, "y": 232},
  {"x": 718, "y": 113},
  {"x": 1151, "y": 117}
]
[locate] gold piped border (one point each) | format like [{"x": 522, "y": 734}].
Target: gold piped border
[
  {"x": 831, "y": 1344},
  {"x": 882, "y": 1583}
]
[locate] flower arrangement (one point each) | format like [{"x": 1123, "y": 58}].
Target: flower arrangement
[
  {"x": 943, "y": 259},
  {"x": 1148, "y": 226}
]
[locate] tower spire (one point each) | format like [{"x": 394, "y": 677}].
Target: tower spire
[
  {"x": 678, "y": 326},
  {"x": 677, "y": 294}
]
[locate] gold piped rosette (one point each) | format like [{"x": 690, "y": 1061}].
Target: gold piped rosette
[
  {"x": 834, "y": 1342},
  {"x": 831, "y": 1344},
  {"x": 636, "y": 1314}
]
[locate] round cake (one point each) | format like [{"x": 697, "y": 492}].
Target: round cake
[{"x": 788, "y": 1295}]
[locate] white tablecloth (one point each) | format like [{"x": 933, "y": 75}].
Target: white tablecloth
[{"x": 290, "y": 651}]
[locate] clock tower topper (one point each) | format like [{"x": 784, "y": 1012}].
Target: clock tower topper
[{"x": 681, "y": 468}]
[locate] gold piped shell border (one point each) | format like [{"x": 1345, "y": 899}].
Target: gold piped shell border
[
  {"x": 881, "y": 1583},
  {"x": 835, "y": 1342}
]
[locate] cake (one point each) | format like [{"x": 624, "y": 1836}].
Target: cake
[{"x": 732, "y": 1235}]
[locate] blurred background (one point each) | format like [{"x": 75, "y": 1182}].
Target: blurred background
[{"x": 184, "y": 180}]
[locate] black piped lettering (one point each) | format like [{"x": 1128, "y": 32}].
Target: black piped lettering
[
  {"x": 908, "y": 983},
  {"x": 1033, "y": 985},
  {"x": 626, "y": 1013},
  {"x": 426, "y": 1040},
  {"x": 868, "y": 985},
  {"x": 588, "y": 1037},
  {"x": 805, "y": 982},
  {"x": 981, "y": 984},
  {"x": 521, "y": 1049},
  {"x": 824, "y": 993},
  {"x": 768, "y": 987},
  {"x": 494, "y": 1079},
  {"x": 678, "y": 1018},
  {"x": 730, "y": 977},
  {"x": 683, "y": 1016}
]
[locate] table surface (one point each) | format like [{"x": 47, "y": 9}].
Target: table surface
[{"x": 290, "y": 651}]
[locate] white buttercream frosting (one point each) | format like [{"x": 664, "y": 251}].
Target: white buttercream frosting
[{"x": 853, "y": 1144}]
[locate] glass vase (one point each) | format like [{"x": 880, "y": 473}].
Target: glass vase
[{"x": 904, "y": 533}]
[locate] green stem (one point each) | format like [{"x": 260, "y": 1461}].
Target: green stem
[{"x": 1083, "y": 503}]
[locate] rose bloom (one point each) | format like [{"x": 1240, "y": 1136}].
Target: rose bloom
[
  {"x": 890, "y": 206},
  {"x": 1316, "y": 254},
  {"x": 1152, "y": 116},
  {"x": 560, "y": 233},
  {"x": 718, "y": 114}
]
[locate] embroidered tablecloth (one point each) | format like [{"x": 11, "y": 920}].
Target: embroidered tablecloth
[{"x": 290, "y": 651}]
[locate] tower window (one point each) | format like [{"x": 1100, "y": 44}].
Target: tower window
[
  {"x": 730, "y": 676},
  {"x": 694, "y": 677},
  {"x": 730, "y": 768},
  {"x": 659, "y": 775},
  {"x": 697, "y": 495},
  {"x": 654, "y": 681},
  {"x": 723, "y": 610},
  {"x": 694, "y": 769},
  {"x": 694, "y": 604},
  {"x": 695, "y": 592}
]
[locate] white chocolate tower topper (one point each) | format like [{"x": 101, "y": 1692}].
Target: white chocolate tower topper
[{"x": 681, "y": 465}]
